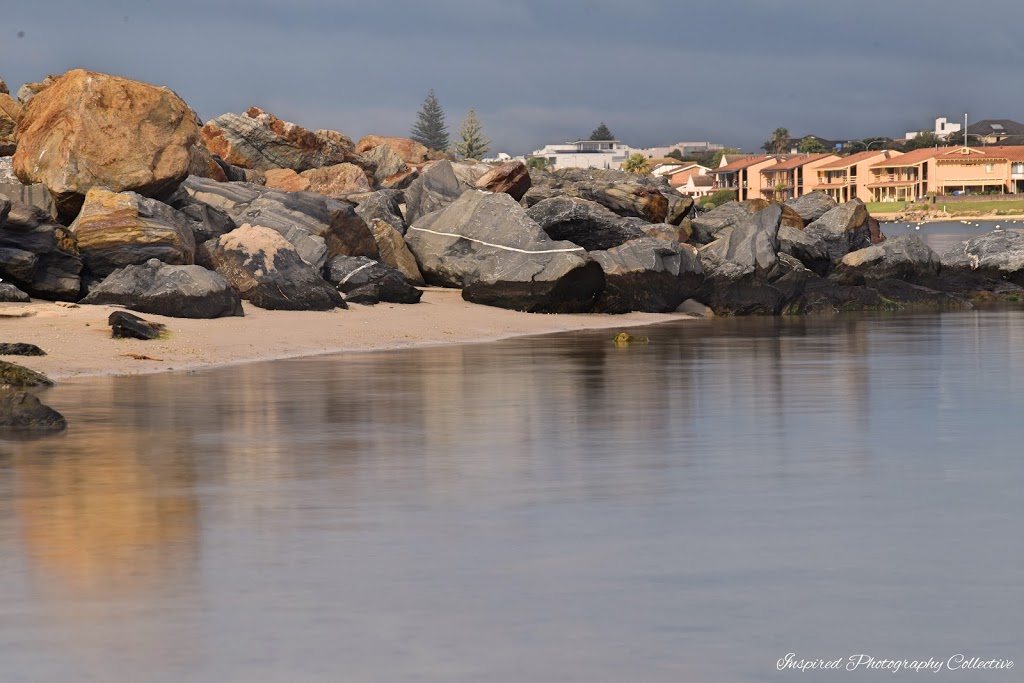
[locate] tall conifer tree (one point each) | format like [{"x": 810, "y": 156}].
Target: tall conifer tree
[
  {"x": 472, "y": 144},
  {"x": 430, "y": 129}
]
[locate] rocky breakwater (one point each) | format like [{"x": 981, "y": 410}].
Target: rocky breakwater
[{"x": 117, "y": 194}]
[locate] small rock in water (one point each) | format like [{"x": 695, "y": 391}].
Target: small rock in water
[
  {"x": 12, "y": 375},
  {"x": 624, "y": 339},
  {"x": 19, "y": 349},
  {"x": 124, "y": 325},
  {"x": 22, "y": 410}
]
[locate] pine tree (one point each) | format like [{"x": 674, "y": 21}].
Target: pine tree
[
  {"x": 602, "y": 133},
  {"x": 472, "y": 143},
  {"x": 430, "y": 129}
]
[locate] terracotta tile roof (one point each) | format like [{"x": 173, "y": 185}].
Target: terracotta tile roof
[
  {"x": 795, "y": 162},
  {"x": 992, "y": 152},
  {"x": 702, "y": 180},
  {"x": 746, "y": 162},
  {"x": 846, "y": 162},
  {"x": 910, "y": 158}
]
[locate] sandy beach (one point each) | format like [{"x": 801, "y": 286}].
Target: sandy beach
[{"x": 78, "y": 343}]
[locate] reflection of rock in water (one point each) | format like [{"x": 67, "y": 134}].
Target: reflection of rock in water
[{"x": 117, "y": 517}]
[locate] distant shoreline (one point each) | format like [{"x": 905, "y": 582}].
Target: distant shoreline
[{"x": 891, "y": 218}]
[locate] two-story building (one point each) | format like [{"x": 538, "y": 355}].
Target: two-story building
[
  {"x": 847, "y": 178},
  {"x": 979, "y": 170},
  {"x": 903, "y": 178},
  {"x": 610, "y": 154},
  {"x": 793, "y": 177},
  {"x": 744, "y": 175}
]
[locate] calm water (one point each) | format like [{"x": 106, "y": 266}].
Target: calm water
[{"x": 547, "y": 509}]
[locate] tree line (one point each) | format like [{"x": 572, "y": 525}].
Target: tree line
[{"x": 431, "y": 131}]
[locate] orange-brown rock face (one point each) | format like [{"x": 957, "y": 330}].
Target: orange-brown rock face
[
  {"x": 261, "y": 141},
  {"x": 94, "y": 130},
  {"x": 410, "y": 152},
  {"x": 115, "y": 230},
  {"x": 512, "y": 178},
  {"x": 10, "y": 112}
]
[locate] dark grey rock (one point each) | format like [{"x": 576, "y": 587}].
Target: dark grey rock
[
  {"x": 317, "y": 226},
  {"x": 902, "y": 258},
  {"x": 812, "y": 206},
  {"x": 22, "y": 411},
  {"x": 382, "y": 205},
  {"x": 20, "y": 349},
  {"x": 174, "y": 291},
  {"x": 10, "y": 294},
  {"x": 708, "y": 226},
  {"x": 12, "y": 375},
  {"x": 809, "y": 249},
  {"x": 365, "y": 281},
  {"x": 998, "y": 255},
  {"x": 436, "y": 188},
  {"x": 649, "y": 275},
  {"x": 38, "y": 255},
  {"x": 207, "y": 222},
  {"x": 583, "y": 222},
  {"x": 37, "y": 195},
  {"x": 124, "y": 325},
  {"x": 487, "y": 245},
  {"x": 843, "y": 229},
  {"x": 267, "y": 270}
]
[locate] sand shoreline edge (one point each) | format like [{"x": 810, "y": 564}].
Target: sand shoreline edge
[{"x": 78, "y": 343}]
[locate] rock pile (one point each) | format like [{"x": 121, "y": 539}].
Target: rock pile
[{"x": 116, "y": 193}]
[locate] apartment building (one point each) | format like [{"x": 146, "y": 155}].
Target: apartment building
[
  {"x": 903, "y": 178},
  {"x": 744, "y": 175},
  {"x": 847, "y": 178},
  {"x": 793, "y": 177},
  {"x": 979, "y": 170}
]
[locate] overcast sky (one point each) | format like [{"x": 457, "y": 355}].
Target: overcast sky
[{"x": 542, "y": 71}]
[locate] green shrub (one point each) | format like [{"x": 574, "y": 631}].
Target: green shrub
[{"x": 717, "y": 198}]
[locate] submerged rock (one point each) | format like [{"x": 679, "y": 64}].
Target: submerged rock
[{"x": 21, "y": 410}]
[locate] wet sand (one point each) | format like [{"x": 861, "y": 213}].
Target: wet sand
[{"x": 78, "y": 342}]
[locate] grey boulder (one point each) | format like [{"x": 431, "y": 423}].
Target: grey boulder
[
  {"x": 998, "y": 255},
  {"x": 843, "y": 229},
  {"x": 162, "y": 289},
  {"x": 649, "y": 275},
  {"x": 38, "y": 255},
  {"x": 267, "y": 270},
  {"x": 902, "y": 258},
  {"x": 487, "y": 245},
  {"x": 365, "y": 281},
  {"x": 22, "y": 411},
  {"x": 812, "y": 206},
  {"x": 583, "y": 222}
]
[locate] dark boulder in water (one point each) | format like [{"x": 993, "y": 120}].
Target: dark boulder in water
[{"x": 21, "y": 410}]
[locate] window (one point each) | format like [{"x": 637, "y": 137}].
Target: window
[{"x": 988, "y": 168}]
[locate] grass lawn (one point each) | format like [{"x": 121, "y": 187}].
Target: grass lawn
[{"x": 980, "y": 207}]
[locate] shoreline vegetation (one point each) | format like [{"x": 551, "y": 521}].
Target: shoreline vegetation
[{"x": 78, "y": 343}]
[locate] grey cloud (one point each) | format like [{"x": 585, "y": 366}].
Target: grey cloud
[{"x": 656, "y": 71}]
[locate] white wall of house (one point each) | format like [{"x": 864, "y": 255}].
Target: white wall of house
[
  {"x": 943, "y": 129},
  {"x": 585, "y": 154}
]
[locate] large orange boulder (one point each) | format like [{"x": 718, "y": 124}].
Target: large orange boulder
[
  {"x": 10, "y": 112},
  {"x": 95, "y": 130},
  {"x": 408, "y": 151}
]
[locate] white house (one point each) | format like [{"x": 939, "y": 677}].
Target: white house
[
  {"x": 585, "y": 154},
  {"x": 943, "y": 129}
]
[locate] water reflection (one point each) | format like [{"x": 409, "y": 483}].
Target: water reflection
[{"x": 535, "y": 509}]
